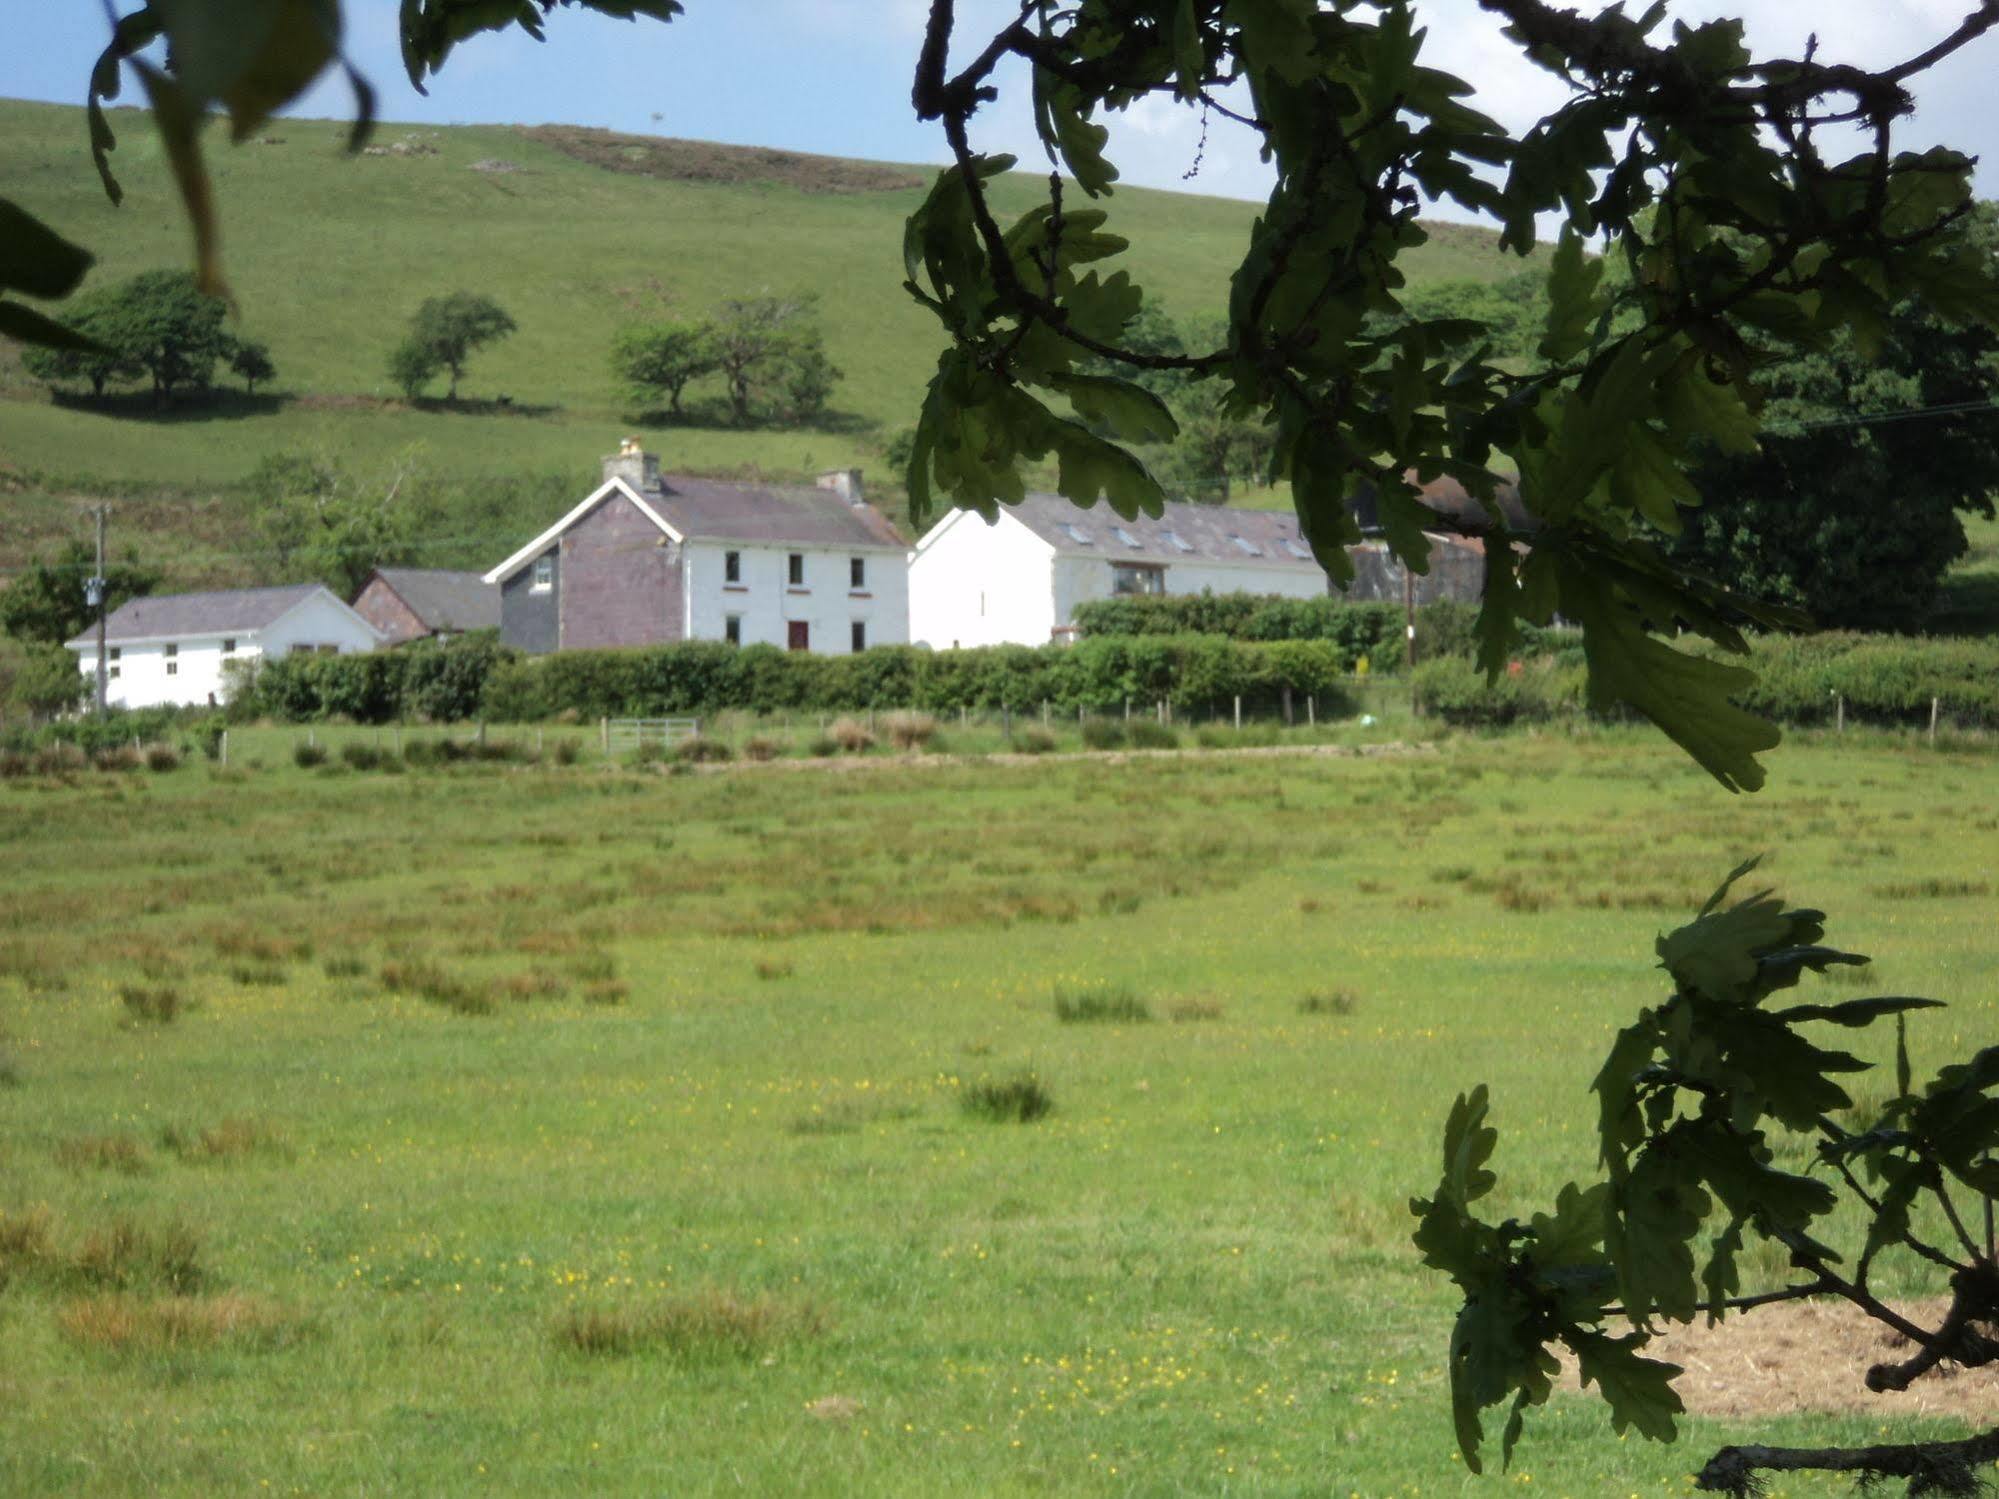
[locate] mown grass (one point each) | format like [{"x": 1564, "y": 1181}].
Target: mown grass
[{"x": 1194, "y": 1270}]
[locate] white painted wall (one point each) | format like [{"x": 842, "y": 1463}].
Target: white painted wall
[
  {"x": 1081, "y": 579},
  {"x": 144, "y": 675},
  {"x": 767, "y": 603},
  {"x": 974, "y": 584}
]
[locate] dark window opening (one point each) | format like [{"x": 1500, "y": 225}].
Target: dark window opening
[
  {"x": 860, "y": 635},
  {"x": 797, "y": 570},
  {"x": 732, "y": 567},
  {"x": 732, "y": 628},
  {"x": 857, "y": 572}
]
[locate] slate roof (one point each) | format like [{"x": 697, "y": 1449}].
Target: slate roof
[
  {"x": 1182, "y": 533},
  {"x": 715, "y": 510},
  {"x": 232, "y": 611},
  {"x": 448, "y": 601}
]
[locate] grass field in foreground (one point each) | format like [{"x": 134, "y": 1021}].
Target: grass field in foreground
[{"x": 696, "y": 1208}]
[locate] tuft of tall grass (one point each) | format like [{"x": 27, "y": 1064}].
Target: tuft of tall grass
[
  {"x": 910, "y": 731},
  {"x": 161, "y": 758},
  {"x": 430, "y": 982},
  {"x": 151, "y": 1004},
  {"x": 701, "y": 749},
  {"x": 851, "y": 736},
  {"x": 761, "y": 747},
  {"x": 1020, "y": 1099},
  {"x": 232, "y": 1139},
  {"x": 774, "y": 968},
  {"x": 1184, "y": 1011},
  {"x": 121, "y": 1323},
  {"x": 127, "y": 1253},
  {"x": 845, "y": 1116},
  {"x": 115, "y": 1152},
  {"x": 1107, "y": 1004},
  {"x": 1145, "y": 733},
  {"x": 1339, "y": 1002},
  {"x": 706, "y": 1326},
  {"x": 1033, "y": 740},
  {"x": 308, "y": 756}
]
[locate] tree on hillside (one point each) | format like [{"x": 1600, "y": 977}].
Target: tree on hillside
[
  {"x": 46, "y": 605},
  {"x": 96, "y": 363},
  {"x": 443, "y": 335},
  {"x": 772, "y": 357},
  {"x": 171, "y": 329},
  {"x": 662, "y": 359},
  {"x": 251, "y": 362},
  {"x": 322, "y": 524}
]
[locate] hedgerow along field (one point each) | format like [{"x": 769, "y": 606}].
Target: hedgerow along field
[{"x": 571, "y": 1129}]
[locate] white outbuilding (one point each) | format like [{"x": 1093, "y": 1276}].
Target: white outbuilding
[
  {"x": 1018, "y": 579},
  {"x": 172, "y": 649}
]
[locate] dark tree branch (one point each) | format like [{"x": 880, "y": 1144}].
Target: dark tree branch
[{"x": 1939, "y": 1467}]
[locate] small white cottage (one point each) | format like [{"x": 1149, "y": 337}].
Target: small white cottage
[{"x": 171, "y": 649}]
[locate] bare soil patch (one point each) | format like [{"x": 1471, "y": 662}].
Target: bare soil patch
[
  {"x": 706, "y": 161},
  {"x": 1814, "y": 1356}
]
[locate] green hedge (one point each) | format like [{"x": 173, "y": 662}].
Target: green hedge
[
  {"x": 1193, "y": 672},
  {"x": 1884, "y": 679},
  {"x": 1370, "y": 630},
  {"x": 424, "y": 682}
]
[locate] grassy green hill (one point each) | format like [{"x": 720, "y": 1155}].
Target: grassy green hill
[{"x": 330, "y": 255}]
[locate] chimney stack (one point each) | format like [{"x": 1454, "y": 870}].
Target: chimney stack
[
  {"x": 846, "y": 483},
  {"x": 634, "y": 465}
]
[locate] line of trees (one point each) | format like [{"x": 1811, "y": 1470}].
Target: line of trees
[
  {"x": 157, "y": 327},
  {"x": 768, "y": 352}
]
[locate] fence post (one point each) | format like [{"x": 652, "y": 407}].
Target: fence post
[
  {"x": 1933, "y": 723},
  {"x": 604, "y": 734},
  {"x": 1839, "y": 712},
  {"x": 1044, "y": 713},
  {"x": 311, "y": 738},
  {"x": 1127, "y": 708},
  {"x": 1238, "y": 712},
  {"x": 225, "y": 748},
  {"x": 1290, "y": 718},
  {"x": 1312, "y": 710}
]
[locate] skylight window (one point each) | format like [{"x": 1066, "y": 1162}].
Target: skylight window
[
  {"x": 1176, "y": 541},
  {"x": 1126, "y": 537},
  {"x": 1246, "y": 546},
  {"x": 1077, "y": 534}
]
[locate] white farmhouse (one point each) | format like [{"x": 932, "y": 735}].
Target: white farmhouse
[
  {"x": 170, "y": 649},
  {"x": 647, "y": 559},
  {"x": 1019, "y": 578}
]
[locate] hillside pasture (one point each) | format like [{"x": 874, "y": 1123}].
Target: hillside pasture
[
  {"x": 508, "y": 1129},
  {"x": 575, "y": 233}
]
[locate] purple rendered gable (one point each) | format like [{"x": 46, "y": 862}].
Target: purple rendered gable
[{"x": 621, "y": 580}]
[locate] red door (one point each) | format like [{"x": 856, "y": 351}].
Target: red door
[{"x": 800, "y": 635}]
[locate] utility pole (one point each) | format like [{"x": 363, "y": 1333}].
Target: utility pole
[{"x": 93, "y": 595}]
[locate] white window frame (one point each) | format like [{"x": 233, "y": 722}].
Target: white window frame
[{"x": 543, "y": 580}]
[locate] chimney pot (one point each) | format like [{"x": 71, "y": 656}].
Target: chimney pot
[
  {"x": 846, "y": 483},
  {"x": 634, "y": 465}
]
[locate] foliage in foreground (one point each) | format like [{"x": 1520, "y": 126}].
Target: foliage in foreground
[{"x": 1695, "y": 1103}]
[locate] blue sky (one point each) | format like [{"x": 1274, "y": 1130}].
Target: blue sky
[{"x": 833, "y": 75}]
